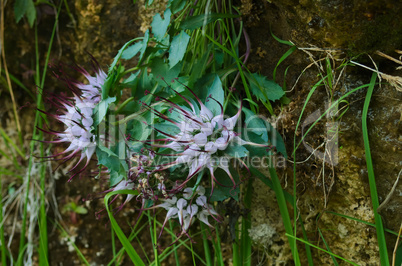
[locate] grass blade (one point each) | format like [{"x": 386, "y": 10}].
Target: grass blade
[
  {"x": 245, "y": 226},
  {"x": 326, "y": 245},
  {"x": 135, "y": 258},
  {"x": 283, "y": 57},
  {"x": 361, "y": 221},
  {"x": 280, "y": 197},
  {"x": 316, "y": 247},
  {"x": 373, "y": 189},
  {"x": 79, "y": 253},
  {"x": 205, "y": 244}
]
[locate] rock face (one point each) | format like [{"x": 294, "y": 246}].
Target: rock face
[
  {"x": 327, "y": 189},
  {"x": 359, "y": 26}
]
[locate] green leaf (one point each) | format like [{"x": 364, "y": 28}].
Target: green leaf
[
  {"x": 216, "y": 91},
  {"x": 143, "y": 45},
  {"x": 260, "y": 131},
  {"x": 107, "y": 158},
  {"x": 195, "y": 22},
  {"x": 254, "y": 124},
  {"x": 199, "y": 65},
  {"x": 132, "y": 79},
  {"x": 159, "y": 25},
  {"x": 101, "y": 110},
  {"x": 31, "y": 12},
  {"x": 161, "y": 69},
  {"x": 168, "y": 128},
  {"x": 131, "y": 51},
  {"x": 137, "y": 128},
  {"x": 110, "y": 80},
  {"x": 80, "y": 210},
  {"x": 20, "y": 8},
  {"x": 278, "y": 142},
  {"x": 228, "y": 190},
  {"x": 178, "y": 48},
  {"x": 255, "y": 151},
  {"x": 177, "y": 5},
  {"x": 135, "y": 258},
  {"x": 236, "y": 151},
  {"x": 116, "y": 177},
  {"x": 119, "y": 54},
  {"x": 264, "y": 89},
  {"x": 282, "y": 41}
]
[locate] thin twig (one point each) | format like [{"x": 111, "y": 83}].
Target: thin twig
[{"x": 387, "y": 199}]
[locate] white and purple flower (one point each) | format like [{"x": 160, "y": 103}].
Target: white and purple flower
[
  {"x": 189, "y": 207},
  {"x": 202, "y": 135},
  {"x": 76, "y": 114}
]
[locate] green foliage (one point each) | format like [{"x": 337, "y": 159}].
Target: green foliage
[
  {"x": 73, "y": 207},
  {"x": 159, "y": 25},
  {"x": 264, "y": 89},
  {"x": 215, "y": 90},
  {"x": 373, "y": 188},
  {"x": 135, "y": 258},
  {"x": 25, "y": 7},
  {"x": 178, "y": 48},
  {"x": 195, "y": 22},
  {"x": 236, "y": 151}
]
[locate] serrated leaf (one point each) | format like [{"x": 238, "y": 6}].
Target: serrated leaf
[
  {"x": 159, "y": 25},
  {"x": 264, "y": 89},
  {"x": 216, "y": 91},
  {"x": 198, "y": 21},
  {"x": 161, "y": 69},
  {"x": 106, "y": 150},
  {"x": 107, "y": 158},
  {"x": 178, "y": 48}
]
